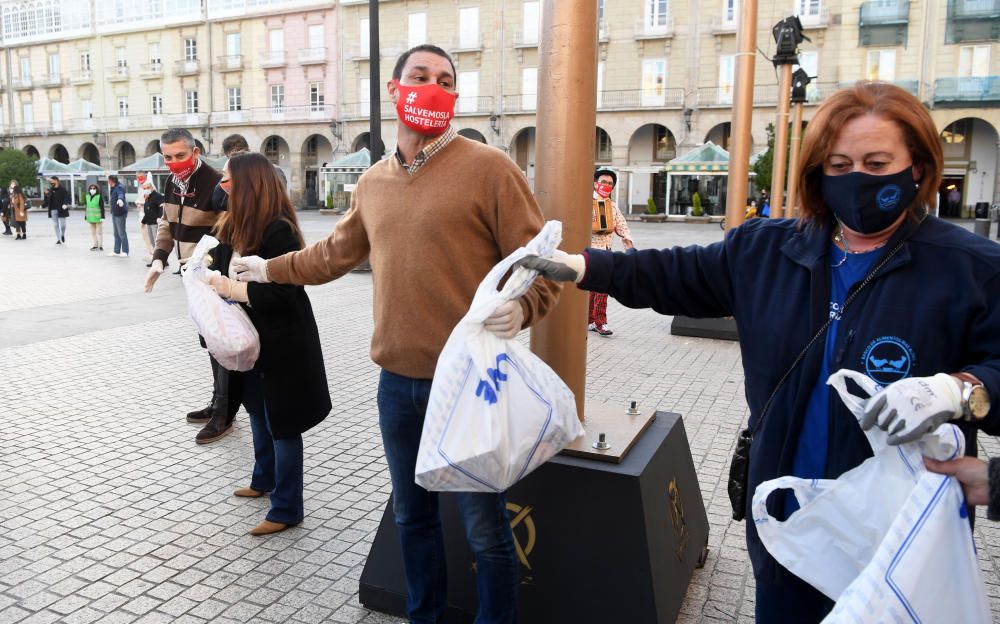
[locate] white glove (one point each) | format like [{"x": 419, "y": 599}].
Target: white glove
[
  {"x": 506, "y": 320},
  {"x": 153, "y": 274},
  {"x": 250, "y": 269},
  {"x": 232, "y": 272},
  {"x": 120, "y": 203},
  {"x": 909, "y": 408},
  {"x": 207, "y": 274},
  {"x": 561, "y": 267}
]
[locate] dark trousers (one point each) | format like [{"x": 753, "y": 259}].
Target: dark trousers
[
  {"x": 21, "y": 227},
  {"x": 220, "y": 391},
  {"x": 6, "y": 224}
]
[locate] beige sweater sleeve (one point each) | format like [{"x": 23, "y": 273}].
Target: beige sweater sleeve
[
  {"x": 326, "y": 260},
  {"x": 519, "y": 219}
]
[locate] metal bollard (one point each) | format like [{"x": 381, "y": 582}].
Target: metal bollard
[{"x": 982, "y": 227}]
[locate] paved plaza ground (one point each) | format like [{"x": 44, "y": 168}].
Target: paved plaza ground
[{"x": 109, "y": 512}]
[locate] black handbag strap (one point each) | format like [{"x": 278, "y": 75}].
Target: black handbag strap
[{"x": 822, "y": 330}]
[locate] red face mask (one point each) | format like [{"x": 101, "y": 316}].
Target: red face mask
[
  {"x": 426, "y": 109},
  {"x": 141, "y": 179},
  {"x": 227, "y": 186},
  {"x": 182, "y": 169},
  {"x": 604, "y": 190}
]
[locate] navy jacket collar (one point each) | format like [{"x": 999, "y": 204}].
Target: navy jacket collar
[{"x": 812, "y": 243}]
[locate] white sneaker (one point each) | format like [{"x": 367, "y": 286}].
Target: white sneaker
[
  {"x": 592, "y": 327},
  {"x": 123, "y": 255},
  {"x": 112, "y": 254}
]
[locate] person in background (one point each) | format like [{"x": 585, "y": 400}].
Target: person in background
[
  {"x": 94, "y": 215},
  {"x": 605, "y": 179},
  {"x": 286, "y": 392},
  {"x": 144, "y": 182},
  {"x": 119, "y": 213},
  {"x": 57, "y": 204},
  {"x": 980, "y": 480},
  {"x": 5, "y": 213},
  {"x": 152, "y": 212},
  {"x": 19, "y": 210}
]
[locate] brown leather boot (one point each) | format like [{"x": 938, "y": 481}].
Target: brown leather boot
[
  {"x": 267, "y": 527},
  {"x": 217, "y": 427},
  {"x": 200, "y": 416},
  {"x": 248, "y": 493}
]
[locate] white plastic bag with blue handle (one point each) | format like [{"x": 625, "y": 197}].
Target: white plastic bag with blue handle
[
  {"x": 888, "y": 541},
  {"x": 496, "y": 411},
  {"x": 228, "y": 331}
]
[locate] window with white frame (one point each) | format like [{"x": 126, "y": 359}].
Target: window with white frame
[
  {"x": 276, "y": 40},
  {"x": 234, "y": 98},
  {"x": 190, "y": 49},
  {"x": 468, "y": 28},
  {"x": 655, "y": 15},
  {"x": 416, "y": 31},
  {"x": 233, "y": 44},
  {"x": 55, "y": 114},
  {"x": 156, "y": 104},
  {"x": 531, "y": 18},
  {"x": 121, "y": 59},
  {"x": 277, "y": 98},
  {"x": 54, "y": 67},
  {"x": 363, "y": 32},
  {"x": 85, "y": 61},
  {"x": 468, "y": 91},
  {"x": 87, "y": 109},
  {"x": 727, "y": 72},
  {"x": 729, "y": 12},
  {"x": 600, "y": 84},
  {"x": 654, "y": 82},
  {"x": 191, "y": 101},
  {"x": 25, "y": 68},
  {"x": 317, "y": 36},
  {"x": 154, "y": 54},
  {"x": 365, "y": 95},
  {"x": 974, "y": 61},
  {"x": 317, "y": 96},
  {"x": 28, "y": 115},
  {"x": 529, "y": 88},
  {"x": 808, "y": 10},
  {"x": 123, "y": 106},
  {"x": 881, "y": 65},
  {"x": 809, "y": 61}
]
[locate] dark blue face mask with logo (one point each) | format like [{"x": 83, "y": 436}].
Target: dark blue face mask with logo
[{"x": 869, "y": 203}]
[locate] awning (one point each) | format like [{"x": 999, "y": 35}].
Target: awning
[{"x": 707, "y": 158}]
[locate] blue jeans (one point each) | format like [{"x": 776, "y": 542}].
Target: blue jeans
[
  {"x": 277, "y": 463},
  {"x": 59, "y": 224},
  {"x": 121, "y": 237},
  {"x": 402, "y": 403}
]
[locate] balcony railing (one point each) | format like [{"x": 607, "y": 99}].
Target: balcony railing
[
  {"x": 231, "y": 62},
  {"x": 362, "y": 110},
  {"x": 272, "y": 58},
  {"x": 479, "y": 105},
  {"x": 51, "y": 80},
  {"x": 978, "y": 89},
  {"x": 23, "y": 82},
  {"x": 973, "y": 9},
  {"x": 117, "y": 73},
  {"x": 523, "y": 40},
  {"x": 468, "y": 45},
  {"x": 634, "y": 99},
  {"x": 312, "y": 56},
  {"x": 763, "y": 95},
  {"x": 318, "y": 113},
  {"x": 645, "y": 30},
  {"x": 186, "y": 67},
  {"x": 721, "y": 25},
  {"x": 152, "y": 70},
  {"x": 911, "y": 86},
  {"x": 882, "y": 13},
  {"x": 520, "y": 103},
  {"x": 84, "y": 76},
  {"x": 187, "y": 120}
]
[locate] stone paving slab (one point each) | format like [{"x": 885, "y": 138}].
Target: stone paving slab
[{"x": 112, "y": 514}]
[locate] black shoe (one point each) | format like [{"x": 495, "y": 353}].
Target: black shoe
[
  {"x": 58, "y": 242},
  {"x": 216, "y": 428},
  {"x": 201, "y": 416},
  {"x": 177, "y": 272},
  {"x": 149, "y": 264},
  {"x": 64, "y": 239}
]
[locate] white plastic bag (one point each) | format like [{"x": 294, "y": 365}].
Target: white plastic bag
[
  {"x": 496, "y": 411},
  {"x": 228, "y": 331},
  {"x": 888, "y": 541}
]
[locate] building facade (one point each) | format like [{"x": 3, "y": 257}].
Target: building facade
[{"x": 101, "y": 79}]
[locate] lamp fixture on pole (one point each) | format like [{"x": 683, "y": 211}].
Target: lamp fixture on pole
[
  {"x": 787, "y": 35},
  {"x": 495, "y": 124}
]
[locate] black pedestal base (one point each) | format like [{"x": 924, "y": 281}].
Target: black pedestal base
[
  {"x": 717, "y": 328},
  {"x": 598, "y": 542}
]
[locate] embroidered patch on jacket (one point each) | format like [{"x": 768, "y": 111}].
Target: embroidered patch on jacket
[{"x": 888, "y": 359}]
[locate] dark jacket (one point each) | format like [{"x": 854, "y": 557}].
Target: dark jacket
[
  {"x": 56, "y": 199},
  {"x": 934, "y": 307},
  {"x": 152, "y": 209},
  {"x": 4, "y": 203},
  {"x": 118, "y": 194},
  {"x": 291, "y": 359}
]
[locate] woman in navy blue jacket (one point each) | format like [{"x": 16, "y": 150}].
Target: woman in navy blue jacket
[{"x": 926, "y": 327}]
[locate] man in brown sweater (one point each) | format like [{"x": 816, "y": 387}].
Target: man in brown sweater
[{"x": 433, "y": 219}]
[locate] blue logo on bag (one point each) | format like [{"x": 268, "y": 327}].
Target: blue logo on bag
[
  {"x": 888, "y": 359},
  {"x": 489, "y": 392},
  {"x": 888, "y": 197}
]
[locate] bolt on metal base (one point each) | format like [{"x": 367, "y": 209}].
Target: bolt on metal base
[{"x": 602, "y": 443}]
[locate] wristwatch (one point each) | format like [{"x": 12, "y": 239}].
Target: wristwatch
[{"x": 975, "y": 401}]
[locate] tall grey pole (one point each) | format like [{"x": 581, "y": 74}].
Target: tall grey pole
[{"x": 375, "y": 106}]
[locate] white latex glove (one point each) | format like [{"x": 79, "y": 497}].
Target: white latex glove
[
  {"x": 120, "y": 203},
  {"x": 153, "y": 274},
  {"x": 507, "y": 320},
  {"x": 250, "y": 269},
  {"x": 236, "y": 256},
  {"x": 561, "y": 267},
  {"x": 909, "y": 408},
  {"x": 208, "y": 274}
]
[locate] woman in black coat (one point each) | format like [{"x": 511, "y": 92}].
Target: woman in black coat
[{"x": 286, "y": 393}]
